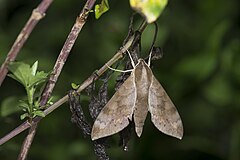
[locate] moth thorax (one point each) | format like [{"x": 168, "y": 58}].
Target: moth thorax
[{"x": 142, "y": 74}]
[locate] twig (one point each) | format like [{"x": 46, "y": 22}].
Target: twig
[
  {"x": 80, "y": 21},
  {"x": 37, "y": 14},
  {"x": 25, "y": 125},
  {"x": 27, "y": 142},
  {"x": 63, "y": 55}
]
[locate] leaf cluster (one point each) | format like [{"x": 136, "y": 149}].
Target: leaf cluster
[{"x": 32, "y": 80}]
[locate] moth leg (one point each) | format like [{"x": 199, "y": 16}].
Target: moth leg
[{"x": 118, "y": 70}]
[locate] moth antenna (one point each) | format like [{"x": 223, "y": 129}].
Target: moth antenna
[
  {"x": 133, "y": 64},
  {"x": 118, "y": 70}
]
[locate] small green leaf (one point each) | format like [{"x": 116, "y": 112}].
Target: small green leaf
[
  {"x": 38, "y": 113},
  {"x": 150, "y": 9},
  {"x": 34, "y": 68},
  {"x": 23, "y": 105},
  {"x": 101, "y": 8},
  {"x": 26, "y": 75},
  {"x": 50, "y": 101},
  {"x": 75, "y": 86},
  {"x": 39, "y": 78},
  {"x": 36, "y": 104},
  {"x": 20, "y": 72},
  {"x": 23, "y": 116}
]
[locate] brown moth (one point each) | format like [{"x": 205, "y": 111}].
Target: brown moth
[{"x": 140, "y": 93}]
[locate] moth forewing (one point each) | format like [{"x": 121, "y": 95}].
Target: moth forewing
[
  {"x": 164, "y": 114},
  {"x": 118, "y": 111}
]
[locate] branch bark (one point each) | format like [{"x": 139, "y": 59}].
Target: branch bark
[
  {"x": 80, "y": 21},
  {"x": 27, "y": 142},
  {"x": 37, "y": 14}
]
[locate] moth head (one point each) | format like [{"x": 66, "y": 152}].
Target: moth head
[{"x": 141, "y": 62}]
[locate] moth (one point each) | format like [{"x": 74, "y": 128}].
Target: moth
[{"x": 139, "y": 94}]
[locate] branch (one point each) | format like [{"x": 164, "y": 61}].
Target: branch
[
  {"x": 25, "y": 125},
  {"x": 80, "y": 21},
  {"x": 63, "y": 55},
  {"x": 37, "y": 14},
  {"x": 27, "y": 142}
]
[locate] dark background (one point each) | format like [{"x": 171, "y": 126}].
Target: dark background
[{"x": 199, "y": 70}]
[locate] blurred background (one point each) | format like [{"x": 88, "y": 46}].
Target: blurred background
[{"x": 199, "y": 71}]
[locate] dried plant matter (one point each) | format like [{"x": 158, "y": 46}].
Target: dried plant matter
[
  {"x": 125, "y": 136},
  {"x": 79, "y": 118},
  {"x": 77, "y": 113},
  {"x": 97, "y": 103}
]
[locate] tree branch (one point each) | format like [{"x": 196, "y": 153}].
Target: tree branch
[
  {"x": 37, "y": 14},
  {"x": 80, "y": 21},
  {"x": 27, "y": 142}
]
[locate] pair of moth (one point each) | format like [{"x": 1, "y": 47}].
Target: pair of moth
[{"x": 139, "y": 94}]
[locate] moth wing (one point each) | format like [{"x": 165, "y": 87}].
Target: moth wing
[
  {"x": 118, "y": 111},
  {"x": 164, "y": 114}
]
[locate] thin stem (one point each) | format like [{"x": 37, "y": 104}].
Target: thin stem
[
  {"x": 37, "y": 14},
  {"x": 27, "y": 142},
  {"x": 30, "y": 101},
  {"x": 80, "y": 21}
]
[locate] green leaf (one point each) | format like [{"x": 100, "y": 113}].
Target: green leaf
[
  {"x": 34, "y": 68},
  {"x": 39, "y": 78},
  {"x": 20, "y": 72},
  {"x": 23, "y": 116},
  {"x": 101, "y": 8},
  {"x": 26, "y": 75},
  {"x": 150, "y": 9},
  {"x": 9, "y": 106},
  {"x": 36, "y": 104},
  {"x": 24, "y": 105},
  {"x": 38, "y": 113},
  {"x": 50, "y": 101},
  {"x": 75, "y": 86}
]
